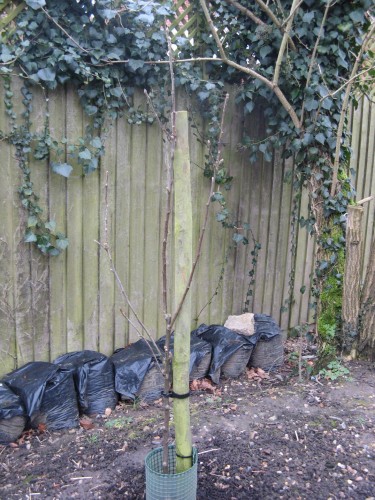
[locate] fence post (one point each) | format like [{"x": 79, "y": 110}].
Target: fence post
[{"x": 351, "y": 291}]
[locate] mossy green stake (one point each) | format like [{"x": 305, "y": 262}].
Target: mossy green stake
[{"x": 183, "y": 238}]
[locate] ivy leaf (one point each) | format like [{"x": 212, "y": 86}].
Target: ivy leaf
[
  {"x": 85, "y": 154},
  {"x": 63, "y": 169},
  {"x": 30, "y": 237},
  {"x": 237, "y": 237},
  {"x": 96, "y": 143},
  {"x": 107, "y": 13},
  {"x": 327, "y": 104},
  {"x": 36, "y": 4},
  {"x": 92, "y": 165},
  {"x": 146, "y": 18},
  {"x": 5, "y": 56},
  {"x": 249, "y": 106},
  {"x": 135, "y": 64},
  {"x": 320, "y": 138},
  {"x": 308, "y": 17},
  {"x": 311, "y": 104},
  {"x": 264, "y": 51},
  {"x": 51, "y": 225},
  {"x": 62, "y": 242},
  {"x": 356, "y": 16},
  {"x": 32, "y": 221},
  {"x": 91, "y": 110},
  {"x": 203, "y": 95},
  {"x": 47, "y": 75}
]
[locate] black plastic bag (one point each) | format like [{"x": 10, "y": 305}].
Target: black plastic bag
[
  {"x": 94, "y": 379},
  {"x": 225, "y": 344},
  {"x": 266, "y": 327},
  {"x": 12, "y": 415},
  {"x": 131, "y": 366},
  {"x": 47, "y": 393},
  {"x": 200, "y": 352}
]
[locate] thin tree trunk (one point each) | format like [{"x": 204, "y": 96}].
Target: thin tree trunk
[
  {"x": 351, "y": 292},
  {"x": 366, "y": 345},
  {"x": 183, "y": 237}
]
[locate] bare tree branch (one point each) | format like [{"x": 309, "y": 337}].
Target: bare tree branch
[
  {"x": 340, "y": 128},
  {"x": 283, "y": 44},
  {"x": 273, "y": 86},
  {"x": 246, "y": 11},
  {"x": 275, "y": 20},
  {"x": 313, "y": 56}
]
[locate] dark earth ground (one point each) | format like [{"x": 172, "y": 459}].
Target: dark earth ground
[{"x": 259, "y": 439}]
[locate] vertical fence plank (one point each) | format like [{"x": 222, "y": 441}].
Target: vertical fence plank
[
  {"x": 74, "y": 130},
  {"x": 122, "y": 245},
  {"x": 23, "y": 298},
  {"x": 280, "y": 214},
  {"x": 152, "y": 237},
  {"x": 137, "y": 217},
  {"x": 8, "y": 206},
  {"x": 57, "y": 210},
  {"x": 90, "y": 258},
  {"x": 39, "y": 263},
  {"x": 237, "y": 196},
  {"x": 285, "y": 242},
  {"x": 107, "y": 224},
  {"x": 299, "y": 280}
]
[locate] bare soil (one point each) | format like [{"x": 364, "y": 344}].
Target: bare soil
[{"x": 259, "y": 439}]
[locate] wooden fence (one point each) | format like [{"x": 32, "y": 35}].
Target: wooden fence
[{"x": 49, "y": 306}]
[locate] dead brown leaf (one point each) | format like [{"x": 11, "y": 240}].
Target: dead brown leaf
[{"x": 86, "y": 423}]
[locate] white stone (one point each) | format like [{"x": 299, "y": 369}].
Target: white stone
[{"x": 243, "y": 323}]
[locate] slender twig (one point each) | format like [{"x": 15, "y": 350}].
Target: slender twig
[
  {"x": 313, "y": 56},
  {"x": 169, "y": 158},
  {"x": 274, "y": 19},
  {"x": 247, "y": 12},
  {"x": 274, "y": 87},
  {"x": 64, "y": 31},
  {"x": 358, "y": 75},
  {"x": 292, "y": 11},
  {"x": 106, "y": 247},
  {"x": 340, "y": 128},
  {"x": 283, "y": 44}
]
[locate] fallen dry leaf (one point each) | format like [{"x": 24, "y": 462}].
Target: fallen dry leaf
[
  {"x": 42, "y": 427},
  {"x": 256, "y": 374},
  {"x": 203, "y": 384},
  {"x": 86, "y": 423}
]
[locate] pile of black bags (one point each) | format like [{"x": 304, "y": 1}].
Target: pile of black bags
[{"x": 54, "y": 395}]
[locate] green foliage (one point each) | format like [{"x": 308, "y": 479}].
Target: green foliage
[{"x": 334, "y": 371}]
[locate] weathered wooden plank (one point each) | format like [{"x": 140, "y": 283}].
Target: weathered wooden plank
[
  {"x": 367, "y": 144},
  {"x": 122, "y": 211},
  {"x": 152, "y": 229},
  {"x": 40, "y": 263},
  {"x": 299, "y": 282},
  {"x": 137, "y": 215},
  {"x": 235, "y": 162},
  {"x": 218, "y": 237},
  {"x": 286, "y": 259},
  {"x": 90, "y": 258},
  {"x": 8, "y": 206},
  {"x": 23, "y": 298},
  {"x": 106, "y": 215},
  {"x": 200, "y": 190},
  {"x": 57, "y": 210},
  {"x": 74, "y": 130},
  {"x": 280, "y": 212}
]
